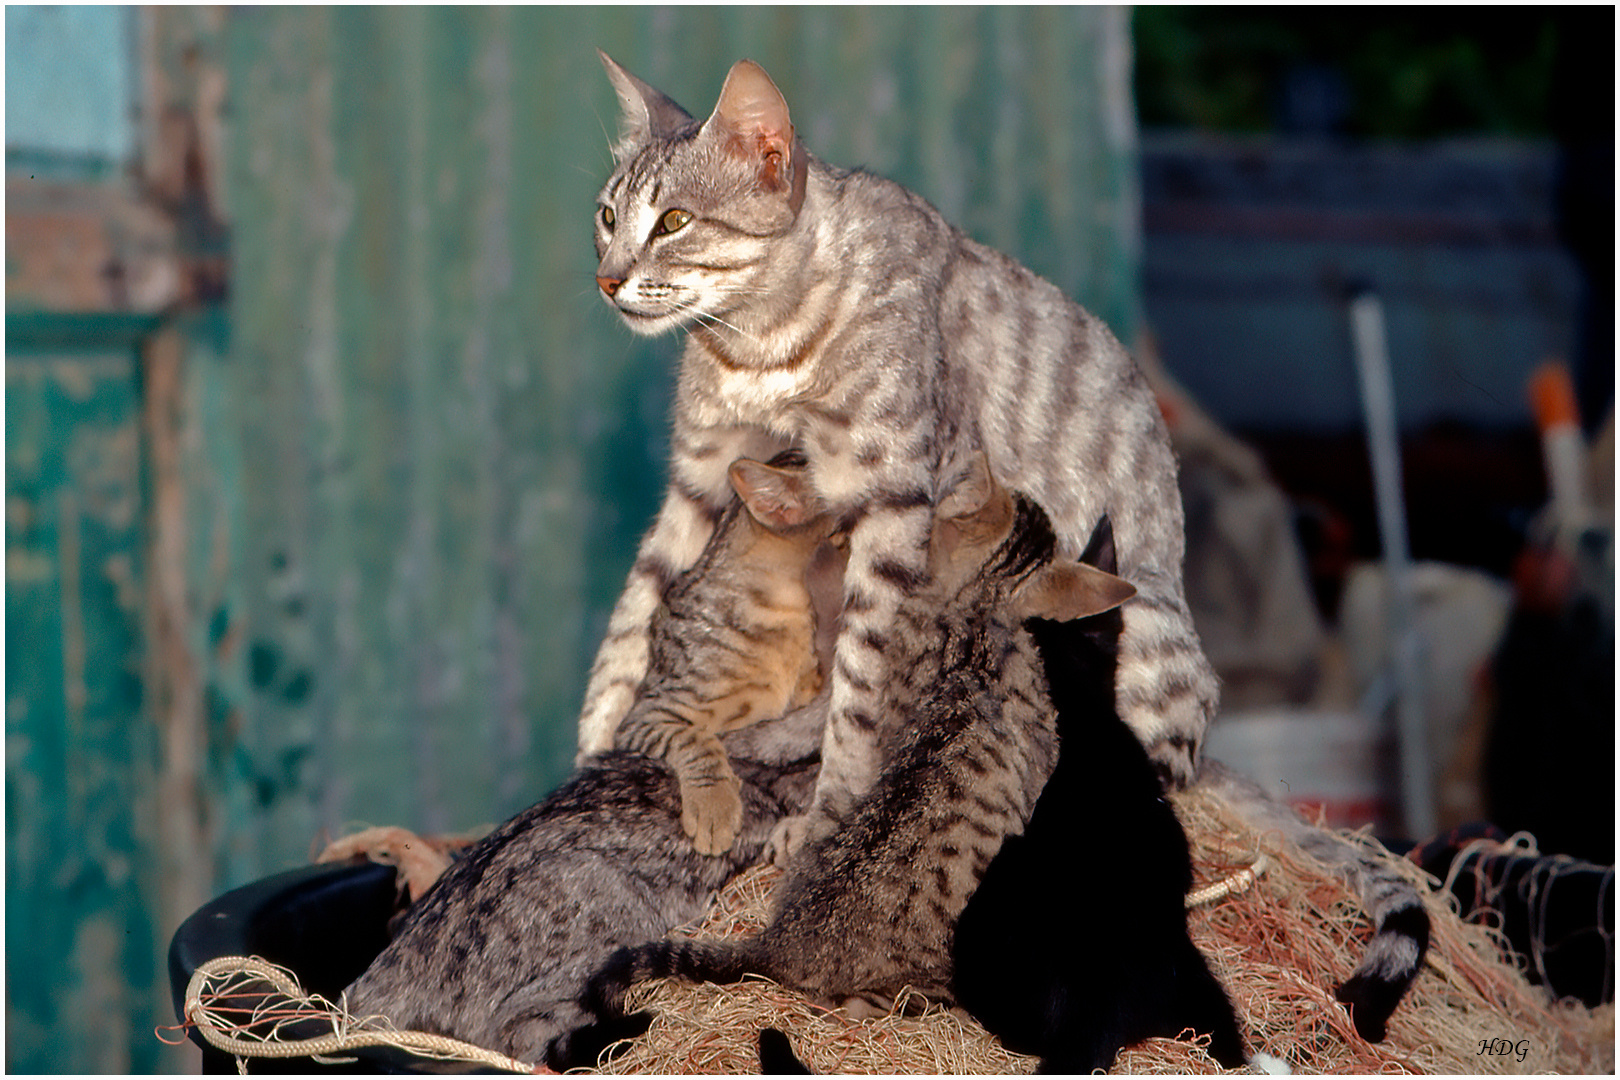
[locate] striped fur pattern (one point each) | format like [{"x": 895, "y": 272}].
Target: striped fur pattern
[
  {"x": 838, "y": 312},
  {"x": 869, "y": 908},
  {"x": 1047, "y": 959},
  {"x": 497, "y": 952},
  {"x": 733, "y": 644},
  {"x": 1401, "y": 939}
]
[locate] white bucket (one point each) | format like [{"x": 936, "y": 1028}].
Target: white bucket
[{"x": 1339, "y": 763}]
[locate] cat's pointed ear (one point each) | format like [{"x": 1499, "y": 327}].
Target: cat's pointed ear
[
  {"x": 645, "y": 114},
  {"x": 1065, "y": 591},
  {"x": 972, "y": 491},
  {"x": 751, "y": 121},
  {"x": 1100, "y": 548},
  {"x": 778, "y": 499}
]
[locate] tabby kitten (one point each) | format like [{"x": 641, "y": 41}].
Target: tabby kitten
[
  {"x": 1401, "y": 936},
  {"x": 732, "y": 645},
  {"x": 867, "y": 909},
  {"x": 497, "y": 952},
  {"x": 1070, "y": 959},
  {"x": 837, "y": 311}
]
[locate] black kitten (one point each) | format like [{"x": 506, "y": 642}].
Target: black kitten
[{"x": 1073, "y": 958}]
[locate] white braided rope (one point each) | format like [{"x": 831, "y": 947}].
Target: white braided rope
[
  {"x": 261, "y": 1033},
  {"x": 1240, "y": 882}
]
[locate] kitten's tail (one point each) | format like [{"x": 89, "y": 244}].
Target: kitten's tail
[
  {"x": 1389, "y": 966},
  {"x": 1398, "y": 946},
  {"x": 695, "y": 961},
  {"x": 776, "y": 1056},
  {"x": 1206, "y": 1008}
]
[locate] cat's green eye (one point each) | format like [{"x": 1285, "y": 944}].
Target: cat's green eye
[
  {"x": 607, "y": 216},
  {"x": 671, "y": 221}
]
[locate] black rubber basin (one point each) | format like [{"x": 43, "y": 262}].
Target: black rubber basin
[{"x": 325, "y": 923}]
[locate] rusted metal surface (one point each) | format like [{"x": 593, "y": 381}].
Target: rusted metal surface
[{"x": 79, "y": 248}]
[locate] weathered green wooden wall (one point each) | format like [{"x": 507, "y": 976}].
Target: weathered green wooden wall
[
  {"x": 81, "y": 972},
  {"x": 448, "y": 446},
  {"x": 385, "y": 498}
]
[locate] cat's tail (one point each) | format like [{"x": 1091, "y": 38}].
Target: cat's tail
[
  {"x": 1204, "y": 1006},
  {"x": 1395, "y": 953},
  {"x": 695, "y": 961},
  {"x": 776, "y": 1056},
  {"x": 1389, "y": 966}
]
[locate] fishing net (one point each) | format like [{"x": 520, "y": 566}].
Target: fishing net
[{"x": 1279, "y": 929}]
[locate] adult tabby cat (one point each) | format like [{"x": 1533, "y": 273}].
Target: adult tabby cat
[
  {"x": 497, "y": 952},
  {"x": 837, "y": 311},
  {"x": 868, "y": 909},
  {"x": 732, "y": 644},
  {"x": 1055, "y": 959}
]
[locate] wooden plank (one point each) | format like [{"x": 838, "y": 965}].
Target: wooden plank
[{"x": 79, "y": 949}]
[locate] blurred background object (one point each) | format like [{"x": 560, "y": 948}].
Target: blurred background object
[{"x": 324, "y": 464}]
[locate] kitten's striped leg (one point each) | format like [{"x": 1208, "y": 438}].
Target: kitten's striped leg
[
  {"x": 888, "y": 561},
  {"x": 1166, "y": 690},
  {"x": 672, "y": 545}
]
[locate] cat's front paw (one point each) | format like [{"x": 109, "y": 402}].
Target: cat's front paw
[{"x": 712, "y": 815}]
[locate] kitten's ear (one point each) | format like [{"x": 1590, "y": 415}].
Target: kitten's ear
[
  {"x": 778, "y": 499},
  {"x": 1100, "y": 548},
  {"x": 645, "y": 113},
  {"x": 751, "y": 121},
  {"x": 971, "y": 493},
  {"x": 1065, "y": 591}
]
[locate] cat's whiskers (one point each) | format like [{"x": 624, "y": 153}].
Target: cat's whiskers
[{"x": 714, "y": 320}]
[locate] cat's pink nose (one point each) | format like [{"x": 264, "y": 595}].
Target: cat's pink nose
[{"x": 609, "y": 285}]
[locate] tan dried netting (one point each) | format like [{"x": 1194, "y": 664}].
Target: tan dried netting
[
  {"x": 1280, "y": 948},
  {"x": 1280, "y": 938}
]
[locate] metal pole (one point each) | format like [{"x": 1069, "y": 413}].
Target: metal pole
[{"x": 1383, "y": 446}]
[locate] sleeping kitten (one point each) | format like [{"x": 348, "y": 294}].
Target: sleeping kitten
[
  {"x": 732, "y": 645},
  {"x": 498, "y": 950},
  {"x": 868, "y": 909},
  {"x": 1054, "y": 960},
  {"x": 1401, "y": 936},
  {"x": 838, "y": 312}
]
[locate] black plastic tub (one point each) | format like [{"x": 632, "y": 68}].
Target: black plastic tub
[{"x": 325, "y": 923}]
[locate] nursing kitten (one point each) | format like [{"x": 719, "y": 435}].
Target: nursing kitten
[
  {"x": 838, "y": 312},
  {"x": 732, "y": 645},
  {"x": 1401, "y": 937},
  {"x": 868, "y": 909},
  {"x": 497, "y": 952},
  {"x": 1056, "y": 961}
]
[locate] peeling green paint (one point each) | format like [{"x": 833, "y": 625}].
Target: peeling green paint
[{"x": 417, "y": 451}]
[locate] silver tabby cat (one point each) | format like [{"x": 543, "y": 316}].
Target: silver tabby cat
[
  {"x": 870, "y": 908},
  {"x": 838, "y": 312}
]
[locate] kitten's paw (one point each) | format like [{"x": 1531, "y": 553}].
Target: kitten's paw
[
  {"x": 793, "y": 833},
  {"x": 785, "y": 840},
  {"x": 712, "y": 815}
]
